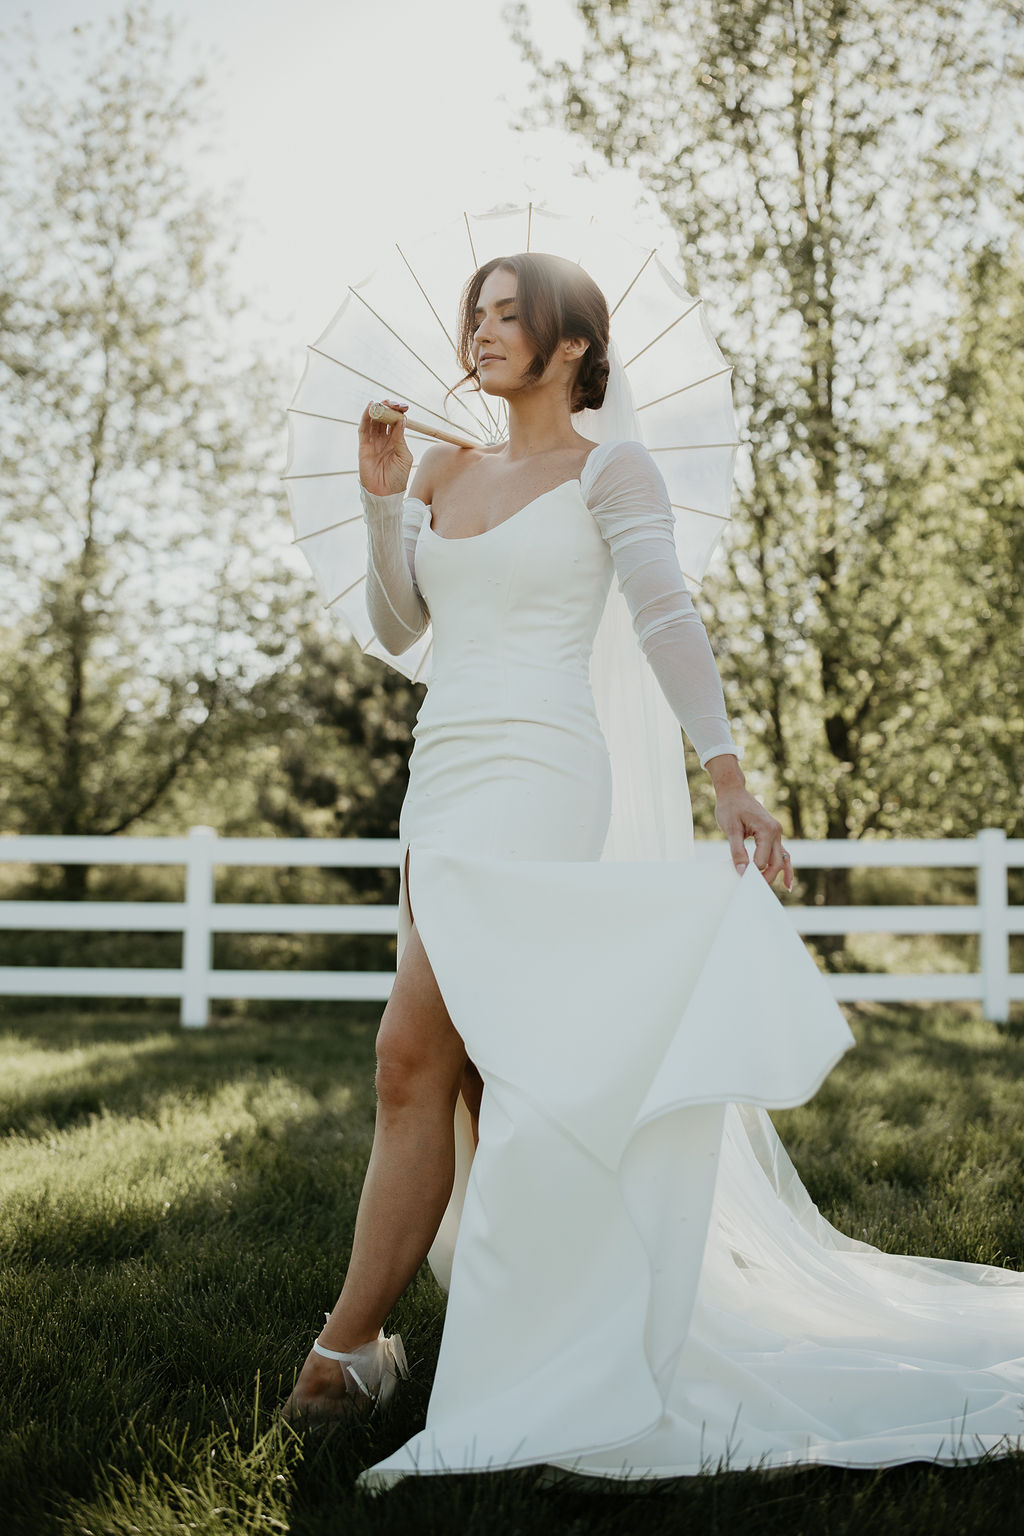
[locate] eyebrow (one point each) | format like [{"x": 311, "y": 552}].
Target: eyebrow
[{"x": 501, "y": 304}]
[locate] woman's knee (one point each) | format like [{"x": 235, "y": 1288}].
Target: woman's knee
[{"x": 414, "y": 1066}]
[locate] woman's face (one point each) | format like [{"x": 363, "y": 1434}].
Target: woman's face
[{"x": 501, "y": 350}]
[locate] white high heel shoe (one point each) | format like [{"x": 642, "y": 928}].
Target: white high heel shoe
[{"x": 374, "y": 1369}]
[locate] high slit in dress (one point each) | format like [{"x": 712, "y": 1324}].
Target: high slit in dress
[{"x": 639, "y": 1286}]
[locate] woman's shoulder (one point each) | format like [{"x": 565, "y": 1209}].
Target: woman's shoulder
[
  {"x": 615, "y": 464},
  {"x": 624, "y": 449},
  {"x": 440, "y": 466}
]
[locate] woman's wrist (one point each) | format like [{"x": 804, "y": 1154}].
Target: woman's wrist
[
  {"x": 725, "y": 772},
  {"x": 372, "y": 496}
]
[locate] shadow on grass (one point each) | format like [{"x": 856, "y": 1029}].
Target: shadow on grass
[
  {"x": 914, "y": 1500},
  {"x": 131, "y": 1061},
  {"x": 130, "y": 1341}
]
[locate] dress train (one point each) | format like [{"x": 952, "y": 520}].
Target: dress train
[{"x": 641, "y": 1287}]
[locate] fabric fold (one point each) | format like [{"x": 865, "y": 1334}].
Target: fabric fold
[
  {"x": 593, "y": 1276},
  {"x": 707, "y": 995}
]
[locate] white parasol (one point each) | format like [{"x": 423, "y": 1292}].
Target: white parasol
[{"x": 394, "y": 335}]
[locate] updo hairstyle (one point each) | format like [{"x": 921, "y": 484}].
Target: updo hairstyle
[{"x": 555, "y": 301}]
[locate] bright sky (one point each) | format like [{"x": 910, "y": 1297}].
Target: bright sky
[{"x": 352, "y": 123}]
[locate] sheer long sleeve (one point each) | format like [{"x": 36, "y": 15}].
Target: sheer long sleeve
[
  {"x": 631, "y": 506},
  {"x": 397, "y": 610}
]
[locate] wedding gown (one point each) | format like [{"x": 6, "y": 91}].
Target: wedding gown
[{"x": 640, "y": 1285}]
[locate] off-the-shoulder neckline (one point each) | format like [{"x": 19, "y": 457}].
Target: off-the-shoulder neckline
[
  {"x": 467, "y": 538},
  {"x": 587, "y": 469}
]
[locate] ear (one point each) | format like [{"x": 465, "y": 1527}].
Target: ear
[{"x": 573, "y": 348}]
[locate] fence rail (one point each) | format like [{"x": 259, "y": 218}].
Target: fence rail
[{"x": 991, "y": 854}]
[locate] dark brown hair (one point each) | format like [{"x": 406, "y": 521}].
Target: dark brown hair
[{"x": 555, "y": 301}]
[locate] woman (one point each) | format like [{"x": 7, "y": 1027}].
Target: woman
[{"x": 615, "y": 1012}]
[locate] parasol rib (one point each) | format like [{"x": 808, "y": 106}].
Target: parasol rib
[
  {"x": 426, "y": 298},
  {"x": 321, "y": 474},
  {"x": 411, "y": 350},
  {"x": 691, "y": 447},
  {"x": 400, "y": 339},
  {"x": 680, "y": 506},
  {"x": 381, "y": 384},
  {"x": 339, "y": 421},
  {"x": 359, "y": 581},
  {"x": 327, "y": 528},
  {"x": 417, "y": 429},
  {"x": 682, "y": 391},
  {"x": 633, "y": 282},
  {"x": 472, "y": 247},
  {"x": 655, "y": 339},
  {"x": 446, "y": 335}
]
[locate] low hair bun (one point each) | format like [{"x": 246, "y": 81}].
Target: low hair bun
[{"x": 591, "y": 382}]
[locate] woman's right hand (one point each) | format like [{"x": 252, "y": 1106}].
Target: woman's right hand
[{"x": 385, "y": 462}]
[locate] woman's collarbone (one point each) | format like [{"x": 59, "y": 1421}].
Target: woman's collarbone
[{"x": 472, "y": 504}]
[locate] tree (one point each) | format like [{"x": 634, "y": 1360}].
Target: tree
[
  {"x": 138, "y": 579},
  {"x": 976, "y": 478},
  {"x": 832, "y": 171},
  {"x": 344, "y": 744},
  {"x": 341, "y": 759}
]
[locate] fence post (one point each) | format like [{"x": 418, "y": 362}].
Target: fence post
[
  {"x": 197, "y": 934},
  {"x": 993, "y": 924}
]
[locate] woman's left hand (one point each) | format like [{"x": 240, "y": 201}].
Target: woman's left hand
[{"x": 740, "y": 816}]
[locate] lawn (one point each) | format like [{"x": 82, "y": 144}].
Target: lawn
[{"x": 175, "y": 1218}]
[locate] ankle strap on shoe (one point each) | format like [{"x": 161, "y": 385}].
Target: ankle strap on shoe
[
  {"x": 344, "y": 1359},
  {"x": 332, "y": 1354},
  {"x": 375, "y": 1367}
]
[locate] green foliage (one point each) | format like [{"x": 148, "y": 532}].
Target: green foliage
[
  {"x": 142, "y": 600},
  {"x": 342, "y": 761},
  {"x": 159, "y": 665},
  {"x": 843, "y": 181},
  {"x": 978, "y": 485},
  {"x": 177, "y": 1213}
]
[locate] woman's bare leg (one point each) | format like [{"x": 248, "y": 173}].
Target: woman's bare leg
[
  {"x": 421, "y": 1061},
  {"x": 473, "y": 1092},
  {"x": 412, "y": 1165}
]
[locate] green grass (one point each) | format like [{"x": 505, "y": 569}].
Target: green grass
[{"x": 176, "y": 1214}]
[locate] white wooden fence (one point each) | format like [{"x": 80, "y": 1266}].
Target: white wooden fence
[{"x": 991, "y": 854}]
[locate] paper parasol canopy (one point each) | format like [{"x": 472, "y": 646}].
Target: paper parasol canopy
[{"x": 394, "y": 336}]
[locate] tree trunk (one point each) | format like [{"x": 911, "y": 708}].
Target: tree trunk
[{"x": 74, "y": 882}]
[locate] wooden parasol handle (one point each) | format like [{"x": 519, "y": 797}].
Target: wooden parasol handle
[{"x": 385, "y": 414}]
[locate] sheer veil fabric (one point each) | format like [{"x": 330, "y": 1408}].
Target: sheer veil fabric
[
  {"x": 640, "y": 1286},
  {"x": 651, "y": 817}
]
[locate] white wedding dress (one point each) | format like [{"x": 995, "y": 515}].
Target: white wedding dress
[{"x": 640, "y": 1285}]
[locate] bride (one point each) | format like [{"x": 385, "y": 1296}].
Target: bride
[{"x": 575, "y": 1060}]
